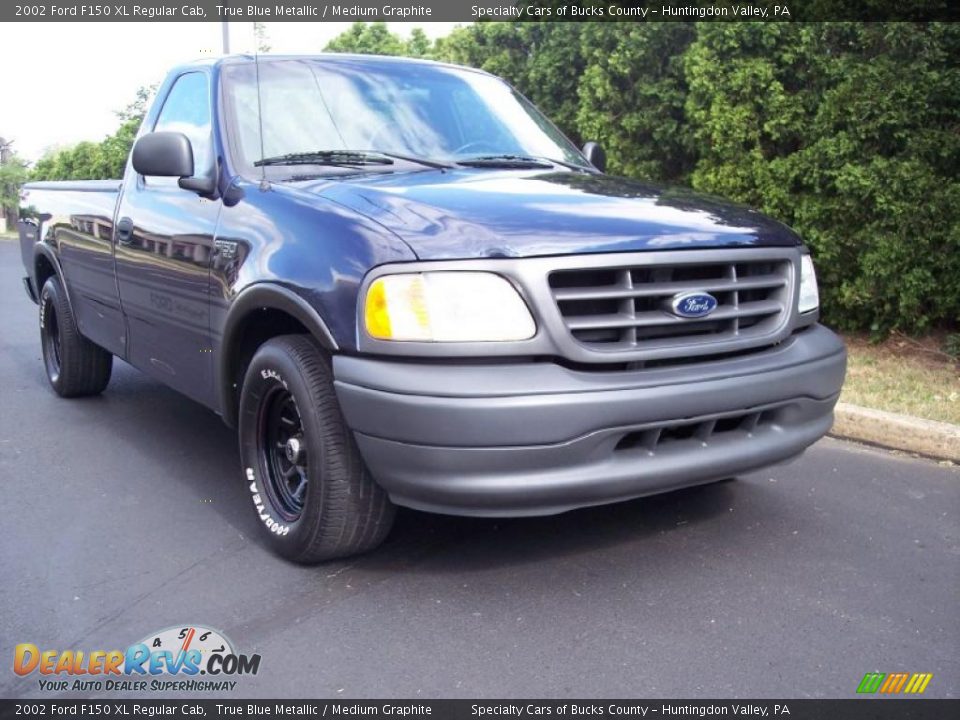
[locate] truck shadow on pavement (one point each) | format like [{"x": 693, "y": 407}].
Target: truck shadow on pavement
[{"x": 459, "y": 544}]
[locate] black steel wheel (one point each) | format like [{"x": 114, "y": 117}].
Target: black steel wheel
[
  {"x": 314, "y": 498},
  {"x": 75, "y": 366},
  {"x": 50, "y": 337},
  {"x": 283, "y": 462}
]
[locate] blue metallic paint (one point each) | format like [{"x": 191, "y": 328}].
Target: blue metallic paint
[{"x": 478, "y": 213}]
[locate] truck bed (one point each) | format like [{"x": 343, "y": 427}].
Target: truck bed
[{"x": 82, "y": 208}]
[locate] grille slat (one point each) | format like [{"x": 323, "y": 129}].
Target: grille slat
[
  {"x": 661, "y": 318},
  {"x": 627, "y": 307},
  {"x": 617, "y": 292}
]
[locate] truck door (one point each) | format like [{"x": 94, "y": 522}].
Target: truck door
[{"x": 163, "y": 241}]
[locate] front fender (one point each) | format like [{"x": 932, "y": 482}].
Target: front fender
[{"x": 255, "y": 298}]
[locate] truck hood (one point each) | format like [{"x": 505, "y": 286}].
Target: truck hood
[{"x": 477, "y": 213}]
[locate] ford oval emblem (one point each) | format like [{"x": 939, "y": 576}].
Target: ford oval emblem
[{"x": 693, "y": 304}]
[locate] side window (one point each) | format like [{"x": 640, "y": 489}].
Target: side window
[{"x": 186, "y": 109}]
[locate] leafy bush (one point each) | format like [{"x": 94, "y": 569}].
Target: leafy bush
[
  {"x": 632, "y": 97},
  {"x": 849, "y": 133},
  {"x": 951, "y": 345},
  {"x": 97, "y": 161},
  {"x": 12, "y": 174}
]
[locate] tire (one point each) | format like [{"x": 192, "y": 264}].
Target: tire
[
  {"x": 75, "y": 366},
  {"x": 313, "y": 496}
]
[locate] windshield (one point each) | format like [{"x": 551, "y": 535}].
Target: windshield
[{"x": 418, "y": 110}]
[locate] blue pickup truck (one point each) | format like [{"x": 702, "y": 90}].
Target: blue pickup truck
[{"x": 404, "y": 286}]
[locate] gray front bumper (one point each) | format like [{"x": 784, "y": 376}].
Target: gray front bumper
[{"x": 538, "y": 438}]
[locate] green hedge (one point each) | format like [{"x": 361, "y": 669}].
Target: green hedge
[{"x": 850, "y": 133}]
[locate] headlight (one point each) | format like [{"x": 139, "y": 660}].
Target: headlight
[
  {"x": 809, "y": 295},
  {"x": 446, "y": 307}
]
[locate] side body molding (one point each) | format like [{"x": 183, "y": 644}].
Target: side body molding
[{"x": 260, "y": 296}]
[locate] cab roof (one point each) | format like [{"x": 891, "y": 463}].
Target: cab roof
[{"x": 330, "y": 57}]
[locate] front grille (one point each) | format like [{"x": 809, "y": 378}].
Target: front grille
[{"x": 624, "y": 308}]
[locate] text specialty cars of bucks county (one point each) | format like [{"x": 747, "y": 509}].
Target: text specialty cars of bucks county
[{"x": 404, "y": 286}]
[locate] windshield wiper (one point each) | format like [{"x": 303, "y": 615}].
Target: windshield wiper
[
  {"x": 564, "y": 163},
  {"x": 326, "y": 157},
  {"x": 508, "y": 160},
  {"x": 505, "y": 160},
  {"x": 409, "y": 158},
  {"x": 348, "y": 157}
]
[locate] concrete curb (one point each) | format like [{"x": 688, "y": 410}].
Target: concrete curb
[{"x": 898, "y": 432}]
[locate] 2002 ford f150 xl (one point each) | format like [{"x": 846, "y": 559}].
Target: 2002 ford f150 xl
[{"x": 404, "y": 286}]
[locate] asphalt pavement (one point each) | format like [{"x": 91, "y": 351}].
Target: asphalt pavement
[{"x": 126, "y": 513}]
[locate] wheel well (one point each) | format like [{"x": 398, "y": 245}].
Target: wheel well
[
  {"x": 258, "y": 327},
  {"x": 44, "y": 270}
]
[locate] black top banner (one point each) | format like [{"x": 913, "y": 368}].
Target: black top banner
[
  {"x": 479, "y": 10},
  {"x": 497, "y": 709}
]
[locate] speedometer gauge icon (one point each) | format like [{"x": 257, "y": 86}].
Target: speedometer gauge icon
[{"x": 183, "y": 638}]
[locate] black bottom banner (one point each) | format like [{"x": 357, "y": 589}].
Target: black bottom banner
[{"x": 874, "y": 709}]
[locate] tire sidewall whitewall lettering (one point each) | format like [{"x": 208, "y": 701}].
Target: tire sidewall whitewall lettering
[{"x": 263, "y": 377}]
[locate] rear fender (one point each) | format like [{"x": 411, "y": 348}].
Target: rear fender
[{"x": 41, "y": 250}]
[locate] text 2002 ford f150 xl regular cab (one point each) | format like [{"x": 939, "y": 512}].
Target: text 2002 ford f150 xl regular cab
[{"x": 403, "y": 285}]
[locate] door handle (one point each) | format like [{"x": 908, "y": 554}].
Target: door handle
[{"x": 125, "y": 231}]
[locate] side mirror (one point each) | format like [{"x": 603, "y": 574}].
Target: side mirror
[
  {"x": 169, "y": 154},
  {"x": 595, "y": 154},
  {"x": 165, "y": 154}
]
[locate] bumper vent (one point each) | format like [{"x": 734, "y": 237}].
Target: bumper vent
[
  {"x": 700, "y": 433},
  {"x": 625, "y": 308}
]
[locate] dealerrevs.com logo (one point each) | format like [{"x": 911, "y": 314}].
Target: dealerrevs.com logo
[{"x": 173, "y": 659}]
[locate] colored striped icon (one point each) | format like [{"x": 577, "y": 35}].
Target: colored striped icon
[
  {"x": 895, "y": 683},
  {"x": 871, "y": 682},
  {"x": 918, "y": 683}
]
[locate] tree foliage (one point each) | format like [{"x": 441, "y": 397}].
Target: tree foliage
[
  {"x": 369, "y": 39},
  {"x": 97, "y": 161},
  {"x": 13, "y": 174},
  {"x": 632, "y": 95},
  {"x": 848, "y": 132},
  {"x": 261, "y": 37}
]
